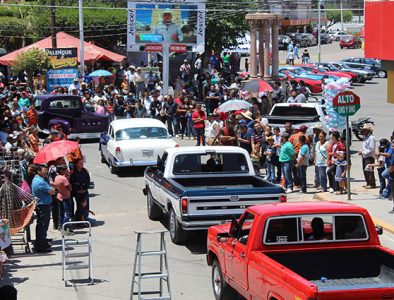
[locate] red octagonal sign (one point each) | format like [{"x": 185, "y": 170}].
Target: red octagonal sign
[{"x": 346, "y": 103}]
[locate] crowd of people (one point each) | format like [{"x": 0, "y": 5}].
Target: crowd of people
[{"x": 192, "y": 112}]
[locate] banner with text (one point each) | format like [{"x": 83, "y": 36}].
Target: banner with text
[{"x": 62, "y": 67}]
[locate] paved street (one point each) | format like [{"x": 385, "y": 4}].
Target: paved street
[{"x": 120, "y": 208}]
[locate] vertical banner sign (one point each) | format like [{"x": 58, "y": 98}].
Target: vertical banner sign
[
  {"x": 62, "y": 67},
  {"x": 166, "y": 22}
]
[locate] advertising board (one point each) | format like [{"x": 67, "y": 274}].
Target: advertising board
[
  {"x": 62, "y": 67},
  {"x": 166, "y": 22}
]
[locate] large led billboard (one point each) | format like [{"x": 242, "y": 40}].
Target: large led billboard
[{"x": 165, "y": 22}]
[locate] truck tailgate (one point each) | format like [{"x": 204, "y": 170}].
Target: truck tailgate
[{"x": 357, "y": 293}]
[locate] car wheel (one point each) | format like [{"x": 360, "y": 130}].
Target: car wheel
[
  {"x": 382, "y": 74},
  {"x": 154, "y": 211},
  {"x": 361, "y": 79},
  {"x": 113, "y": 169},
  {"x": 337, "y": 39},
  {"x": 177, "y": 234},
  {"x": 221, "y": 289},
  {"x": 341, "y": 47}
]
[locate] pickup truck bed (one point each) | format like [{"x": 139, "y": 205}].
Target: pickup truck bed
[
  {"x": 222, "y": 183},
  {"x": 344, "y": 269}
]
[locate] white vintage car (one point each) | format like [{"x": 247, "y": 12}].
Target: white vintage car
[{"x": 134, "y": 142}]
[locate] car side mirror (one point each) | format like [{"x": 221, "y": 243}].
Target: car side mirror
[
  {"x": 160, "y": 165},
  {"x": 222, "y": 237},
  {"x": 379, "y": 230},
  {"x": 234, "y": 227}
]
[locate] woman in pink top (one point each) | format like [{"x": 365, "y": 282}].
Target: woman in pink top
[
  {"x": 63, "y": 188},
  {"x": 100, "y": 109}
]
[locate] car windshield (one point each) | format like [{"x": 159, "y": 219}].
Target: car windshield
[
  {"x": 294, "y": 110},
  {"x": 141, "y": 133},
  {"x": 64, "y": 104},
  {"x": 315, "y": 229},
  {"x": 210, "y": 163}
]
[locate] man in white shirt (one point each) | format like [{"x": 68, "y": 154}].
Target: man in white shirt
[
  {"x": 368, "y": 155},
  {"x": 74, "y": 86}
]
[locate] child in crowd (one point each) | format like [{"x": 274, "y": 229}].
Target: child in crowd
[
  {"x": 189, "y": 123},
  {"x": 340, "y": 175},
  {"x": 270, "y": 153}
]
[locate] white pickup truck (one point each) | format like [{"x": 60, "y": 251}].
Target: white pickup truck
[
  {"x": 309, "y": 114},
  {"x": 203, "y": 186}
]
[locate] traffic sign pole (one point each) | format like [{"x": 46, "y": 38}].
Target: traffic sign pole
[
  {"x": 347, "y": 104},
  {"x": 348, "y": 137}
]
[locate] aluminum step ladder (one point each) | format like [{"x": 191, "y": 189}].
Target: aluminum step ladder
[
  {"x": 78, "y": 246},
  {"x": 162, "y": 274}
]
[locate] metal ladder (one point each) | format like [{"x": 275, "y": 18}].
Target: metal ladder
[
  {"x": 70, "y": 247},
  {"x": 162, "y": 275}
]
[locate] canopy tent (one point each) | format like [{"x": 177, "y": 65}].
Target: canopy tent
[{"x": 64, "y": 40}]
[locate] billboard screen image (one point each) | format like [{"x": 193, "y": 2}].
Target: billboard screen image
[{"x": 170, "y": 23}]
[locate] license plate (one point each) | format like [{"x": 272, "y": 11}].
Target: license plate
[
  {"x": 147, "y": 153},
  {"x": 91, "y": 135}
]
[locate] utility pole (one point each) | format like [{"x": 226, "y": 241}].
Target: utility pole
[
  {"x": 341, "y": 15},
  {"x": 319, "y": 32},
  {"x": 81, "y": 38},
  {"x": 53, "y": 24}
]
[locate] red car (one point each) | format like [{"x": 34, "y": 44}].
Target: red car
[
  {"x": 319, "y": 70},
  {"x": 301, "y": 251},
  {"x": 313, "y": 82},
  {"x": 350, "y": 42}
]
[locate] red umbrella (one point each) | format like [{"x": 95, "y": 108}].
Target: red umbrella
[
  {"x": 55, "y": 150},
  {"x": 257, "y": 86}
]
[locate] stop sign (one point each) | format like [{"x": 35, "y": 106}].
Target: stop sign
[{"x": 346, "y": 103}]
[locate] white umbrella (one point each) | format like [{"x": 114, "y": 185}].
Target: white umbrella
[{"x": 232, "y": 105}]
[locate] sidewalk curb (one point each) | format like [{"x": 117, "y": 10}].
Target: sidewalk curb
[{"x": 327, "y": 197}]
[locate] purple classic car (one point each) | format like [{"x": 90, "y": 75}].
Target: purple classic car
[{"x": 68, "y": 111}]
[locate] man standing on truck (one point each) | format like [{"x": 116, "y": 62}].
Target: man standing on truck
[{"x": 286, "y": 158}]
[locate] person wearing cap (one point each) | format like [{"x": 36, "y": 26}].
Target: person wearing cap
[
  {"x": 74, "y": 86},
  {"x": 139, "y": 82},
  {"x": 367, "y": 153},
  {"x": 244, "y": 136},
  {"x": 286, "y": 158},
  {"x": 302, "y": 162},
  {"x": 199, "y": 118},
  {"x": 300, "y": 98},
  {"x": 212, "y": 99},
  {"x": 167, "y": 29},
  {"x": 185, "y": 70},
  {"x": 314, "y": 139}
]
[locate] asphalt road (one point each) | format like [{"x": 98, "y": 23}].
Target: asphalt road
[{"x": 120, "y": 208}]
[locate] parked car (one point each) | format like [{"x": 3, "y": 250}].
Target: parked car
[
  {"x": 366, "y": 74},
  {"x": 68, "y": 112},
  {"x": 366, "y": 64},
  {"x": 362, "y": 75},
  {"x": 283, "y": 41},
  {"x": 310, "y": 39},
  {"x": 203, "y": 186},
  {"x": 336, "y": 35},
  {"x": 350, "y": 41},
  {"x": 308, "y": 251},
  {"x": 313, "y": 68},
  {"x": 325, "y": 38},
  {"x": 134, "y": 142},
  {"x": 297, "y": 38}
]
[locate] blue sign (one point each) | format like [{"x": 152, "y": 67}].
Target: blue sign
[{"x": 62, "y": 67}]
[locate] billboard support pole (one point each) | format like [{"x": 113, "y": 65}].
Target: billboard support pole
[
  {"x": 166, "y": 67},
  {"x": 81, "y": 38}
]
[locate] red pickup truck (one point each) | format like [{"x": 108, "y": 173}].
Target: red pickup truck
[{"x": 301, "y": 251}]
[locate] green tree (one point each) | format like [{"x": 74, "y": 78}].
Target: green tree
[
  {"x": 334, "y": 16},
  {"x": 30, "y": 61},
  {"x": 225, "y": 23}
]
